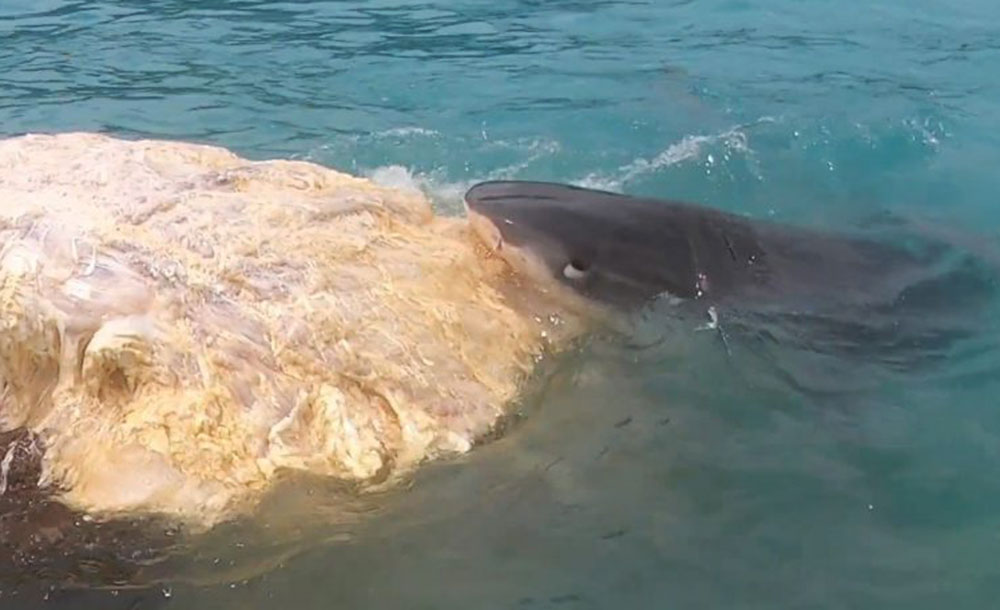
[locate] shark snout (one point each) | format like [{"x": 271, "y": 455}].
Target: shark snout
[{"x": 485, "y": 229}]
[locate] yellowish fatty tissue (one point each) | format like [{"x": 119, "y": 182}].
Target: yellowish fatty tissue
[{"x": 180, "y": 325}]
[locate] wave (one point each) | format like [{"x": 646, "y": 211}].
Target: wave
[
  {"x": 447, "y": 193},
  {"x": 729, "y": 151},
  {"x": 733, "y": 141}
]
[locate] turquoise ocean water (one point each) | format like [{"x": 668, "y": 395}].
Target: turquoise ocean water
[{"x": 684, "y": 478}]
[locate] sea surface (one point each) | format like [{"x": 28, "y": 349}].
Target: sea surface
[{"x": 697, "y": 474}]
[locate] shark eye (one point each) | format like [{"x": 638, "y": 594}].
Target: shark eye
[{"x": 575, "y": 269}]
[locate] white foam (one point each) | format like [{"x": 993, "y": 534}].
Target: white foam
[
  {"x": 690, "y": 147},
  {"x": 446, "y": 195},
  {"x": 403, "y": 132},
  {"x": 395, "y": 176},
  {"x": 928, "y": 130},
  {"x": 537, "y": 148}
]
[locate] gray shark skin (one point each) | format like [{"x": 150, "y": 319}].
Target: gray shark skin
[{"x": 628, "y": 252}]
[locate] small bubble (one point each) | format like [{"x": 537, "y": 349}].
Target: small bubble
[{"x": 167, "y": 592}]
